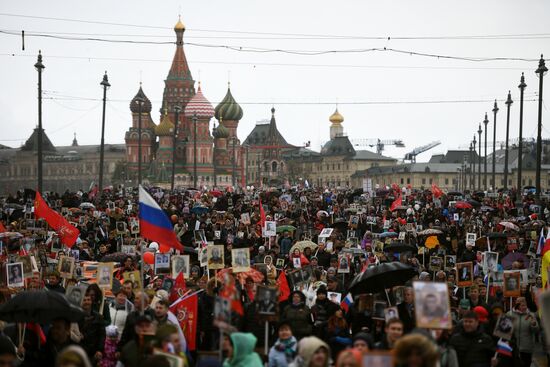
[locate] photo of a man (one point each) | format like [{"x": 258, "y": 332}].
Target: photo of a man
[
  {"x": 432, "y": 305},
  {"x": 105, "y": 275},
  {"x": 215, "y": 256},
  {"x": 267, "y": 300},
  {"x": 465, "y": 274},
  {"x": 75, "y": 295},
  {"x": 162, "y": 263},
  {"x": 15, "y": 275},
  {"x": 450, "y": 262},
  {"x": 66, "y": 266},
  {"x": 490, "y": 262},
  {"x": 180, "y": 264},
  {"x": 240, "y": 259},
  {"x": 512, "y": 284}
]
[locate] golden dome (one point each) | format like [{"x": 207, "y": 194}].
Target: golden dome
[
  {"x": 179, "y": 25},
  {"x": 336, "y": 118},
  {"x": 166, "y": 127}
]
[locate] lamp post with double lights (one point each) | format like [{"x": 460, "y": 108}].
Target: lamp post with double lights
[
  {"x": 541, "y": 71},
  {"x": 495, "y": 110},
  {"x": 485, "y": 122},
  {"x": 474, "y": 142},
  {"x": 105, "y": 84},
  {"x": 39, "y": 66},
  {"x": 195, "y": 150},
  {"x": 479, "y": 131},
  {"x": 471, "y": 160},
  {"x": 506, "y": 154},
  {"x": 521, "y": 87},
  {"x": 177, "y": 110}
]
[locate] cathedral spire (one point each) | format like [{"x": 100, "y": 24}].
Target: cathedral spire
[
  {"x": 75, "y": 142},
  {"x": 180, "y": 68}
]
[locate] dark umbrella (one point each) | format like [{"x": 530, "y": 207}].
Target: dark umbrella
[
  {"x": 116, "y": 257},
  {"x": 514, "y": 256},
  {"x": 454, "y": 193},
  {"x": 474, "y": 203},
  {"x": 399, "y": 247},
  {"x": 497, "y": 235},
  {"x": 340, "y": 224},
  {"x": 41, "y": 306},
  {"x": 379, "y": 277}
]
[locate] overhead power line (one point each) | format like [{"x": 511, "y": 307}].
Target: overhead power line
[
  {"x": 287, "y": 51},
  {"x": 335, "y": 36},
  {"x": 260, "y": 63}
]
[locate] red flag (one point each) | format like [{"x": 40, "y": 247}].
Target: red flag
[
  {"x": 436, "y": 191},
  {"x": 186, "y": 313},
  {"x": 179, "y": 288},
  {"x": 397, "y": 202},
  {"x": 37, "y": 329},
  {"x": 229, "y": 291},
  {"x": 262, "y": 215},
  {"x": 284, "y": 289},
  {"x": 2, "y": 228},
  {"x": 66, "y": 232}
]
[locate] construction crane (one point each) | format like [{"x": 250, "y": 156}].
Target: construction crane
[
  {"x": 411, "y": 156},
  {"x": 378, "y": 143}
]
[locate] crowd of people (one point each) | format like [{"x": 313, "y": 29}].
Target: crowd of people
[{"x": 279, "y": 276}]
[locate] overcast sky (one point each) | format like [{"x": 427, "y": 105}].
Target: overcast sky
[{"x": 303, "y": 89}]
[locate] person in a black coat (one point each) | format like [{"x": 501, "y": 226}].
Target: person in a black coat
[
  {"x": 93, "y": 331},
  {"x": 406, "y": 311}
]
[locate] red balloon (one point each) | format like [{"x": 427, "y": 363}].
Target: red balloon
[
  {"x": 174, "y": 218},
  {"x": 149, "y": 258}
]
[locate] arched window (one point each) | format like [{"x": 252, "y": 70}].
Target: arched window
[
  {"x": 274, "y": 166},
  {"x": 266, "y": 167}
]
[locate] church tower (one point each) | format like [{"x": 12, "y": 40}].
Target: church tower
[{"x": 336, "y": 128}]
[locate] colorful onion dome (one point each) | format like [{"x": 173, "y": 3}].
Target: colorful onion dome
[
  {"x": 199, "y": 105},
  {"x": 221, "y": 132},
  {"x": 229, "y": 109},
  {"x": 146, "y": 107},
  {"x": 166, "y": 127}
]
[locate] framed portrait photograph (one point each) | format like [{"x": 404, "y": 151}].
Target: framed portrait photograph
[
  {"x": 162, "y": 263},
  {"x": 128, "y": 249},
  {"x": 27, "y": 265},
  {"x": 296, "y": 278},
  {"x": 343, "y": 264},
  {"x": 432, "y": 305},
  {"x": 245, "y": 219},
  {"x": 180, "y": 264},
  {"x": 465, "y": 274},
  {"x": 75, "y": 294},
  {"x": 391, "y": 313},
  {"x": 280, "y": 263},
  {"x": 490, "y": 262},
  {"x": 134, "y": 277},
  {"x": 105, "y": 275},
  {"x": 326, "y": 232},
  {"x": 65, "y": 266},
  {"x": 512, "y": 284},
  {"x": 134, "y": 226},
  {"x": 450, "y": 262},
  {"x": 296, "y": 262},
  {"x": 217, "y": 235},
  {"x": 120, "y": 228},
  {"x": 270, "y": 229},
  {"x": 240, "y": 259},
  {"x": 202, "y": 253},
  {"x": 334, "y": 297},
  {"x": 215, "y": 257},
  {"x": 471, "y": 239},
  {"x": 200, "y": 237},
  {"x": 377, "y": 358},
  {"x": 267, "y": 300},
  {"x": 504, "y": 327},
  {"x": 14, "y": 275},
  {"x": 436, "y": 263},
  {"x": 222, "y": 310}
]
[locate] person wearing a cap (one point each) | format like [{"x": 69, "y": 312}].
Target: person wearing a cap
[
  {"x": 298, "y": 314},
  {"x": 259, "y": 259},
  {"x": 473, "y": 347},
  {"x": 333, "y": 285},
  {"x": 322, "y": 310},
  {"x": 363, "y": 342}
]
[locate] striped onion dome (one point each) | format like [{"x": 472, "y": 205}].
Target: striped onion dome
[
  {"x": 199, "y": 105},
  {"x": 166, "y": 127},
  {"x": 221, "y": 132},
  {"x": 229, "y": 109}
]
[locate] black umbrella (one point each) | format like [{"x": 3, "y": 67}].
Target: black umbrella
[
  {"x": 379, "y": 277},
  {"x": 474, "y": 203},
  {"x": 340, "y": 224},
  {"x": 400, "y": 247},
  {"x": 41, "y": 306}
]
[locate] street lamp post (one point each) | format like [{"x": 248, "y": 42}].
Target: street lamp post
[
  {"x": 541, "y": 71},
  {"x": 39, "y": 67},
  {"x": 195, "y": 151},
  {"x": 485, "y": 122},
  {"x": 233, "y": 162},
  {"x": 471, "y": 186},
  {"x": 521, "y": 87},
  {"x": 140, "y": 101},
  {"x": 474, "y": 164},
  {"x": 479, "y": 131},
  {"x": 506, "y": 155},
  {"x": 105, "y": 84},
  {"x": 177, "y": 110},
  {"x": 495, "y": 110}
]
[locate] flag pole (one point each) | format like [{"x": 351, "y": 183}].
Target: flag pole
[{"x": 266, "y": 341}]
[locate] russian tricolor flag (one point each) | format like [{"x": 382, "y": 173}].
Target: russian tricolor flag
[
  {"x": 504, "y": 348},
  {"x": 154, "y": 224},
  {"x": 347, "y": 302}
]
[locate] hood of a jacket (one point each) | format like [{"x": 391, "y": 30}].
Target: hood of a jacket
[
  {"x": 243, "y": 345},
  {"x": 308, "y": 346}
]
